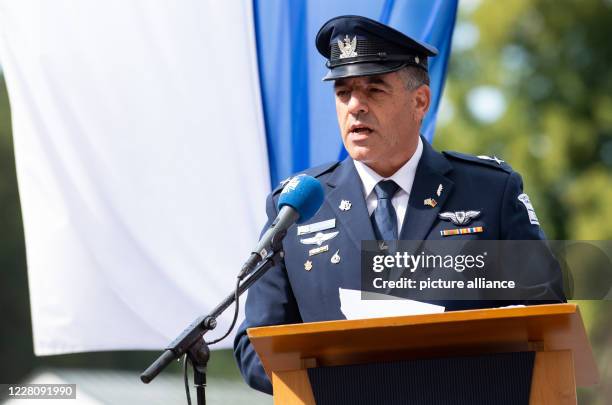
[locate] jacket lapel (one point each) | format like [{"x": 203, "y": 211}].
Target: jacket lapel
[
  {"x": 345, "y": 184},
  {"x": 429, "y": 175}
]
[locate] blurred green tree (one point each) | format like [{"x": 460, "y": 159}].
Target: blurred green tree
[{"x": 530, "y": 82}]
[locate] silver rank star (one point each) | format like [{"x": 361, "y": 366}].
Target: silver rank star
[
  {"x": 459, "y": 217},
  {"x": 345, "y": 205},
  {"x": 494, "y": 158}
]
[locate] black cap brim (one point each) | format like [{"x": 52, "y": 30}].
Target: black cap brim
[{"x": 362, "y": 69}]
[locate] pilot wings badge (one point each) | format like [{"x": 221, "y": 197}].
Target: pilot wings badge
[
  {"x": 319, "y": 238},
  {"x": 459, "y": 217},
  {"x": 347, "y": 47}
]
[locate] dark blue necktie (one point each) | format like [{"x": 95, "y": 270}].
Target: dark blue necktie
[{"x": 384, "y": 219}]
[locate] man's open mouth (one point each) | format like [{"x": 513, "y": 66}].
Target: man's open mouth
[{"x": 360, "y": 129}]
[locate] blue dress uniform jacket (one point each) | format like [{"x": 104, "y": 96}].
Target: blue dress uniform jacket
[{"x": 290, "y": 294}]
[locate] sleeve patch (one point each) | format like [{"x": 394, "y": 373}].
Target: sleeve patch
[{"x": 524, "y": 198}]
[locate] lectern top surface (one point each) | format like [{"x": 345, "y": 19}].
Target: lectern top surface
[
  {"x": 552, "y": 327},
  {"x": 440, "y": 318}
]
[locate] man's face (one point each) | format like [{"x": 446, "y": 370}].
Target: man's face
[{"x": 379, "y": 118}]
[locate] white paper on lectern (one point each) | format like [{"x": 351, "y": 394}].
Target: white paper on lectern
[{"x": 353, "y": 307}]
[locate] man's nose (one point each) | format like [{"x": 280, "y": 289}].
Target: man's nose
[{"x": 357, "y": 104}]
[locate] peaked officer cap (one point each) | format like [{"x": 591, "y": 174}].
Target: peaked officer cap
[{"x": 358, "y": 46}]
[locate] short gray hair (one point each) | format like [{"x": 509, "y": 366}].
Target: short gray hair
[{"x": 414, "y": 77}]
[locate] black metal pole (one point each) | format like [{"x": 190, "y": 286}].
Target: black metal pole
[
  {"x": 194, "y": 332},
  {"x": 200, "y": 384},
  {"x": 198, "y": 356}
]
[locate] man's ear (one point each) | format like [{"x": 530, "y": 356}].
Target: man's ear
[{"x": 422, "y": 99}]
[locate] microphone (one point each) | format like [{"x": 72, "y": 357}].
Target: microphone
[{"x": 300, "y": 199}]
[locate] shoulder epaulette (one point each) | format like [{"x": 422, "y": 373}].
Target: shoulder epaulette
[
  {"x": 488, "y": 161},
  {"x": 315, "y": 172}
]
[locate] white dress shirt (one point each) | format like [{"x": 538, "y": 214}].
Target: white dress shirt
[{"x": 404, "y": 177}]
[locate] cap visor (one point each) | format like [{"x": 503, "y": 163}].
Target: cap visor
[{"x": 362, "y": 69}]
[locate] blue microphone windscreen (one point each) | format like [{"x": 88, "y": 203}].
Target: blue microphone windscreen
[{"x": 303, "y": 193}]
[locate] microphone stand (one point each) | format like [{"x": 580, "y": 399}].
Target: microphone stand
[{"x": 191, "y": 340}]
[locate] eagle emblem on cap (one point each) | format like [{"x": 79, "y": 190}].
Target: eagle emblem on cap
[
  {"x": 347, "y": 47},
  {"x": 459, "y": 217}
]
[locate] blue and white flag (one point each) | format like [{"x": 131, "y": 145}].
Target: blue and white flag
[
  {"x": 147, "y": 134},
  {"x": 299, "y": 111}
]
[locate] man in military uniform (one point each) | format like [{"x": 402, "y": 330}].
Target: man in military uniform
[{"x": 393, "y": 186}]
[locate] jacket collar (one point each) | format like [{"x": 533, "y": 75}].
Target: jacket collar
[
  {"x": 403, "y": 177},
  {"x": 345, "y": 184}
]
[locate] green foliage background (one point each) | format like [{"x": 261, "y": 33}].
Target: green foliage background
[{"x": 549, "y": 59}]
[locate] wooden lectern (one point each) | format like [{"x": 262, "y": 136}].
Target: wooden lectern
[{"x": 555, "y": 333}]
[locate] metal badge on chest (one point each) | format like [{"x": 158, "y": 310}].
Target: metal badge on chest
[{"x": 323, "y": 235}]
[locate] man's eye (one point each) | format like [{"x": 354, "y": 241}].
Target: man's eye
[
  {"x": 342, "y": 93},
  {"x": 375, "y": 90}
]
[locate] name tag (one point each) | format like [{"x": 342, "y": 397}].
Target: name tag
[{"x": 317, "y": 226}]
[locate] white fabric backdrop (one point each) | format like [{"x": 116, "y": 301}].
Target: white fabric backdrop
[{"x": 141, "y": 162}]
